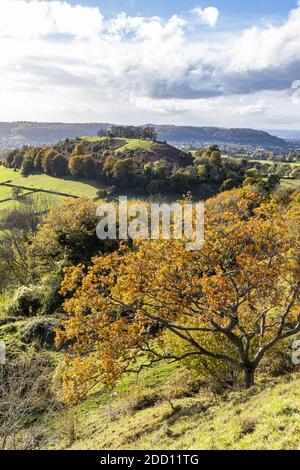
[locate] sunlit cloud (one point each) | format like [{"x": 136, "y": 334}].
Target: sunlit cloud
[{"x": 69, "y": 62}]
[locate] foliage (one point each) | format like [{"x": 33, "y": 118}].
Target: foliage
[
  {"x": 68, "y": 232},
  {"x": 40, "y": 332},
  {"x": 25, "y": 394},
  {"x": 26, "y": 302},
  {"x": 242, "y": 286}
]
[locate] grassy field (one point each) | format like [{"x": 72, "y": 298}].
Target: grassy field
[
  {"x": 268, "y": 162},
  {"x": 93, "y": 138},
  {"x": 265, "y": 162},
  {"x": 136, "y": 144},
  {"x": 158, "y": 412},
  {"x": 68, "y": 186},
  {"x": 291, "y": 184},
  {"x": 131, "y": 145}
]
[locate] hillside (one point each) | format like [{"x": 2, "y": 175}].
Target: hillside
[
  {"x": 143, "y": 151},
  {"x": 35, "y": 133},
  {"x": 162, "y": 411},
  {"x": 54, "y": 190},
  {"x": 218, "y": 135}
]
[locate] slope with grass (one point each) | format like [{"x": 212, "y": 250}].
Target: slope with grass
[
  {"x": 142, "y": 150},
  {"x": 42, "y": 182},
  {"x": 164, "y": 410}
]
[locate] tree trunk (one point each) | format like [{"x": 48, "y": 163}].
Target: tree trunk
[{"x": 249, "y": 377}]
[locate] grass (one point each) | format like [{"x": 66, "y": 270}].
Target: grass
[
  {"x": 41, "y": 181},
  {"x": 5, "y": 193},
  {"x": 83, "y": 189},
  {"x": 263, "y": 162},
  {"x": 131, "y": 145},
  {"x": 269, "y": 162},
  {"x": 93, "y": 138},
  {"x": 136, "y": 144},
  {"x": 290, "y": 184},
  {"x": 158, "y": 411}
]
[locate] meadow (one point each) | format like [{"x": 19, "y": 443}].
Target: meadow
[{"x": 38, "y": 182}]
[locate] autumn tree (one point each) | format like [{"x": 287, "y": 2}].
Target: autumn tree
[
  {"x": 124, "y": 171},
  {"x": 60, "y": 165},
  {"x": 88, "y": 167},
  {"x": 108, "y": 168},
  {"x": 47, "y": 163},
  {"x": 232, "y": 301},
  {"x": 75, "y": 166},
  {"x": 67, "y": 231}
]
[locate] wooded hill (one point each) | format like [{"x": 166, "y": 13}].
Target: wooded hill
[{"x": 37, "y": 133}]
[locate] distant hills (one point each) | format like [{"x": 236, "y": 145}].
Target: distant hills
[
  {"x": 39, "y": 133},
  {"x": 218, "y": 135}
]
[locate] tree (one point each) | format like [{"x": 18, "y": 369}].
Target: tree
[
  {"x": 75, "y": 166},
  {"x": 68, "y": 233},
  {"x": 202, "y": 172},
  {"x": 216, "y": 158},
  {"x": 124, "y": 172},
  {"x": 227, "y": 184},
  {"x": 79, "y": 149},
  {"x": 16, "y": 192},
  {"x": 183, "y": 179},
  {"x": 47, "y": 164},
  {"x": 108, "y": 168},
  {"x": 240, "y": 293},
  {"x": 88, "y": 167},
  {"x": 59, "y": 165},
  {"x": 273, "y": 181},
  {"x": 150, "y": 133}
]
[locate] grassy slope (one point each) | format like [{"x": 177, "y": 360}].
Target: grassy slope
[
  {"x": 265, "y": 417},
  {"x": 78, "y": 188},
  {"x": 291, "y": 184},
  {"x": 131, "y": 145}
]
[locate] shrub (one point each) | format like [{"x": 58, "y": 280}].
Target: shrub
[
  {"x": 26, "y": 302},
  {"x": 25, "y": 394},
  {"x": 279, "y": 360},
  {"x": 41, "y": 332}
]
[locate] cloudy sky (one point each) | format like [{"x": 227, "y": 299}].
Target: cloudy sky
[{"x": 226, "y": 63}]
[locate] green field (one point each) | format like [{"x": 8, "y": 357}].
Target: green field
[
  {"x": 268, "y": 162},
  {"x": 136, "y": 144},
  {"x": 93, "y": 138},
  {"x": 291, "y": 184},
  {"x": 68, "y": 186},
  {"x": 131, "y": 145}
]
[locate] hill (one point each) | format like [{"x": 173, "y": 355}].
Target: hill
[
  {"x": 35, "y": 133},
  {"x": 167, "y": 413},
  {"x": 218, "y": 135},
  {"x": 143, "y": 151},
  {"x": 54, "y": 190}
]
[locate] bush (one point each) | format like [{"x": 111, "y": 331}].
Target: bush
[
  {"x": 26, "y": 302},
  {"x": 25, "y": 394},
  {"x": 278, "y": 361},
  {"x": 41, "y": 332}
]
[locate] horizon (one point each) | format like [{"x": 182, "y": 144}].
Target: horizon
[
  {"x": 200, "y": 64},
  {"x": 154, "y": 124}
]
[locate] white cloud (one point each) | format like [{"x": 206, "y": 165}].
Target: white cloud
[
  {"x": 207, "y": 15},
  {"x": 66, "y": 62},
  {"x": 33, "y": 19}
]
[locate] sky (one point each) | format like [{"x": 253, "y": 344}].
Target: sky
[{"x": 226, "y": 63}]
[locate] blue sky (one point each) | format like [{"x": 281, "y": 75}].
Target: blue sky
[
  {"x": 225, "y": 63},
  {"x": 167, "y": 8}
]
